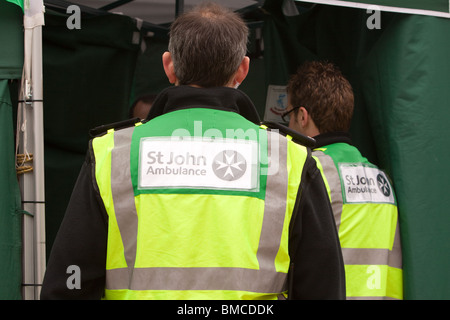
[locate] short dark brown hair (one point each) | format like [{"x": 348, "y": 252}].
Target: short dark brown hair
[
  {"x": 207, "y": 45},
  {"x": 325, "y": 93}
]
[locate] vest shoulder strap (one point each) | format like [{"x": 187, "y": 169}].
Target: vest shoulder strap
[
  {"x": 101, "y": 130},
  {"x": 286, "y": 131}
]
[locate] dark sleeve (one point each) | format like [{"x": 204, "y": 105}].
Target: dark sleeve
[
  {"x": 317, "y": 268},
  {"x": 80, "y": 242}
]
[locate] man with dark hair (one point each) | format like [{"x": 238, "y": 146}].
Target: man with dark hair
[
  {"x": 320, "y": 105},
  {"x": 321, "y": 99},
  {"x": 207, "y": 48},
  {"x": 199, "y": 201}
]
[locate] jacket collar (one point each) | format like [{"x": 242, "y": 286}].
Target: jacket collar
[
  {"x": 220, "y": 98},
  {"x": 325, "y": 139}
]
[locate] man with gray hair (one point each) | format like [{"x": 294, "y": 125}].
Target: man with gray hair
[{"x": 199, "y": 201}]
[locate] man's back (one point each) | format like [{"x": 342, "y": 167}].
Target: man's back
[{"x": 366, "y": 216}]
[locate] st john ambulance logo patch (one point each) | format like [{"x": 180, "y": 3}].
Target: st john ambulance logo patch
[
  {"x": 365, "y": 183},
  {"x": 222, "y": 164}
]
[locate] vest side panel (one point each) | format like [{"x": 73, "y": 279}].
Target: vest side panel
[{"x": 102, "y": 147}]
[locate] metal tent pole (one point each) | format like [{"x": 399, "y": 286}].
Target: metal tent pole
[
  {"x": 179, "y": 7},
  {"x": 32, "y": 142}
]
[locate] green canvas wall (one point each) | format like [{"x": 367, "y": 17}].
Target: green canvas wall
[
  {"x": 11, "y": 61},
  {"x": 88, "y": 80}
]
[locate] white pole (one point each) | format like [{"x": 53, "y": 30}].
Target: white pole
[
  {"x": 38, "y": 136},
  {"x": 32, "y": 142}
]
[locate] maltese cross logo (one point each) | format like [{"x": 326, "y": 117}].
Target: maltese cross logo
[
  {"x": 383, "y": 185},
  {"x": 229, "y": 165}
]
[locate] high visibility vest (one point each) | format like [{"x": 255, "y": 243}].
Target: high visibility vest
[
  {"x": 213, "y": 231},
  {"x": 365, "y": 211}
]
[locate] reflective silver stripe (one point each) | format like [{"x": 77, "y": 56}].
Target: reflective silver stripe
[
  {"x": 354, "y": 256},
  {"x": 371, "y": 298},
  {"x": 332, "y": 176},
  {"x": 265, "y": 279},
  {"x": 123, "y": 194},
  {"x": 197, "y": 279},
  {"x": 274, "y": 206}
]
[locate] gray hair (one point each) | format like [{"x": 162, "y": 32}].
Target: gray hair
[{"x": 207, "y": 45}]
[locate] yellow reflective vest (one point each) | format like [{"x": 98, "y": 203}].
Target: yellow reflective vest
[
  {"x": 366, "y": 215},
  {"x": 200, "y": 213}
]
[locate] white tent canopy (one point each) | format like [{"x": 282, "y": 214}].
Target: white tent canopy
[
  {"x": 160, "y": 11},
  {"x": 438, "y": 8}
]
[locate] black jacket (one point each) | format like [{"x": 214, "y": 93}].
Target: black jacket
[{"x": 317, "y": 270}]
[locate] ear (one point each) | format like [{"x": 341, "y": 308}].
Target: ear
[
  {"x": 168, "y": 67},
  {"x": 242, "y": 71},
  {"x": 307, "y": 123},
  {"x": 303, "y": 117}
]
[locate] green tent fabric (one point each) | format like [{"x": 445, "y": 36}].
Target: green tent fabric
[
  {"x": 405, "y": 83},
  {"x": 400, "y": 78},
  {"x": 11, "y": 62},
  {"x": 11, "y": 35},
  {"x": 88, "y": 80},
  {"x": 10, "y": 205}
]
